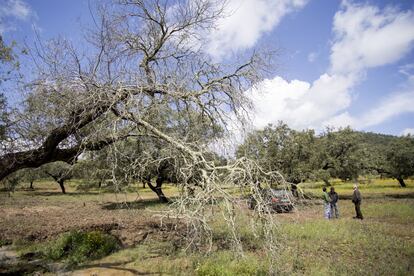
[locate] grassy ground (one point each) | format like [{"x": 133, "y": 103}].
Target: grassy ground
[
  {"x": 372, "y": 188},
  {"x": 381, "y": 244}
]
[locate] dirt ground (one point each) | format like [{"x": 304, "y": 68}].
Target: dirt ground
[
  {"x": 37, "y": 216},
  {"x": 43, "y": 214}
]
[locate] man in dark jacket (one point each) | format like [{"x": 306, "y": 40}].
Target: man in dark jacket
[
  {"x": 356, "y": 199},
  {"x": 334, "y": 201}
]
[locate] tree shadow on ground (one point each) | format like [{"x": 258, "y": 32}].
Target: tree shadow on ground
[
  {"x": 140, "y": 204},
  {"x": 407, "y": 195},
  {"x": 375, "y": 196},
  {"x": 59, "y": 193}
]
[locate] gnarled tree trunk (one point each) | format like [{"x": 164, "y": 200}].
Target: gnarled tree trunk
[
  {"x": 401, "y": 181},
  {"x": 62, "y": 185},
  {"x": 327, "y": 183},
  {"x": 158, "y": 189}
]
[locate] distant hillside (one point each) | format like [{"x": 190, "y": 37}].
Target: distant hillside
[{"x": 376, "y": 139}]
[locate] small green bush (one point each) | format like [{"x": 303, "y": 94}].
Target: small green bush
[
  {"x": 78, "y": 247},
  {"x": 4, "y": 242}
]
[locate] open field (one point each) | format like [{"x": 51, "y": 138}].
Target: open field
[{"x": 381, "y": 244}]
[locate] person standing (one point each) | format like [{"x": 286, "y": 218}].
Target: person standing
[
  {"x": 334, "y": 201},
  {"x": 326, "y": 202},
  {"x": 356, "y": 199}
]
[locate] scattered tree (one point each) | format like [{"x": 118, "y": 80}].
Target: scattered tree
[
  {"x": 400, "y": 159},
  {"x": 31, "y": 175},
  {"x": 283, "y": 149},
  {"x": 60, "y": 172},
  {"x": 338, "y": 155}
]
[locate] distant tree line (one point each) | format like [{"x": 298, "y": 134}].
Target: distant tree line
[{"x": 343, "y": 153}]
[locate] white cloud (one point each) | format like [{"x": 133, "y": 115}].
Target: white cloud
[
  {"x": 271, "y": 104},
  {"x": 365, "y": 37},
  {"x": 312, "y": 57},
  {"x": 407, "y": 70},
  {"x": 387, "y": 109},
  {"x": 246, "y": 22},
  {"x": 11, "y": 10},
  {"x": 298, "y": 103},
  {"x": 342, "y": 120},
  {"x": 408, "y": 131},
  {"x": 18, "y": 9}
]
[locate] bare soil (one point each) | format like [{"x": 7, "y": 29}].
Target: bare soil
[{"x": 43, "y": 217}]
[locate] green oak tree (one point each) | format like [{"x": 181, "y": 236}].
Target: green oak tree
[{"x": 400, "y": 159}]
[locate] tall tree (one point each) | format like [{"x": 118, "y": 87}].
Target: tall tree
[
  {"x": 60, "y": 172},
  {"x": 143, "y": 73},
  {"x": 145, "y": 60},
  {"x": 338, "y": 155},
  {"x": 400, "y": 159},
  {"x": 283, "y": 149}
]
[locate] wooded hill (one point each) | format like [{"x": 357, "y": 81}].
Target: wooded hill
[{"x": 344, "y": 153}]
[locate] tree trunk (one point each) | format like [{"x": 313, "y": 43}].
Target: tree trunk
[
  {"x": 158, "y": 189},
  {"x": 326, "y": 181},
  {"x": 401, "y": 181},
  {"x": 62, "y": 186}
]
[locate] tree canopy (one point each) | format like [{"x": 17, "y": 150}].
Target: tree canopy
[{"x": 343, "y": 153}]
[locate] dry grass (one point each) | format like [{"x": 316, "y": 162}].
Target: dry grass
[{"x": 381, "y": 244}]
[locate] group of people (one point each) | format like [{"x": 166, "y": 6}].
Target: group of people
[{"x": 331, "y": 203}]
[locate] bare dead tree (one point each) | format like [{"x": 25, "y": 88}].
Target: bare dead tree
[{"x": 144, "y": 74}]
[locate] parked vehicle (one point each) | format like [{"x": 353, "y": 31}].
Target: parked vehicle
[{"x": 277, "y": 200}]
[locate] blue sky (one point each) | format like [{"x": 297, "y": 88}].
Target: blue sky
[{"x": 340, "y": 62}]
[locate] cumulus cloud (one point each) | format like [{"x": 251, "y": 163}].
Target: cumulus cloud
[
  {"x": 298, "y": 103},
  {"x": 12, "y": 10},
  {"x": 390, "y": 106},
  {"x": 386, "y": 109},
  {"x": 246, "y": 22},
  {"x": 408, "y": 131},
  {"x": 361, "y": 41},
  {"x": 363, "y": 37}
]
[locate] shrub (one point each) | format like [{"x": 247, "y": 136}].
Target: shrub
[{"x": 78, "y": 247}]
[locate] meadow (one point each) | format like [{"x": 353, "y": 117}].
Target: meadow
[{"x": 32, "y": 224}]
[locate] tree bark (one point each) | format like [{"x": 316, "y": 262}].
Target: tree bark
[
  {"x": 401, "y": 181},
  {"x": 158, "y": 189},
  {"x": 62, "y": 185},
  {"x": 49, "y": 151},
  {"x": 326, "y": 181}
]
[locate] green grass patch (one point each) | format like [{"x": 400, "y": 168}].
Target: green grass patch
[
  {"x": 376, "y": 188},
  {"x": 345, "y": 247},
  {"x": 225, "y": 263},
  {"x": 76, "y": 247}
]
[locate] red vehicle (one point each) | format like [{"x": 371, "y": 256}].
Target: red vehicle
[{"x": 276, "y": 200}]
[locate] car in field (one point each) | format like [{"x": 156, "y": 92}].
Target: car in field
[{"x": 276, "y": 200}]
